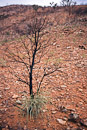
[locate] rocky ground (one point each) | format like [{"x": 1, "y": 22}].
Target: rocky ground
[{"x": 67, "y": 88}]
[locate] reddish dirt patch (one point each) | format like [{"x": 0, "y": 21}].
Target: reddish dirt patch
[{"x": 67, "y": 87}]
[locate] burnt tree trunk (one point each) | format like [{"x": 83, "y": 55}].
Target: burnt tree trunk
[
  {"x": 30, "y": 86},
  {"x": 33, "y": 61}
]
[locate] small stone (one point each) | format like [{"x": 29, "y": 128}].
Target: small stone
[
  {"x": 80, "y": 90},
  {"x": 63, "y": 109},
  {"x": 79, "y": 65},
  {"x": 65, "y": 118},
  {"x": 11, "y": 116},
  {"x": 15, "y": 96},
  {"x": 54, "y": 43},
  {"x": 61, "y": 69},
  {"x": 53, "y": 109},
  {"x": 83, "y": 122},
  {"x": 7, "y": 88},
  {"x": 44, "y": 110},
  {"x": 19, "y": 102},
  {"x": 53, "y": 91},
  {"x": 69, "y": 128},
  {"x": 16, "y": 81},
  {"x": 53, "y": 112},
  {"x": 6, "y": 126},
  {"x": 62, "y": 122},
  {"x": 68, "y": 47},
  {"x": 5, "y": 109},
  {"x": 25, "y": 127},
  {"x": 1, "y": 96},
  {"x": 69, "y": 107},
  {"x": 85, "y": 43},
  {"x": 63, "y": 86},
  {"x": 58, "y": 46},
  {"x": 74, "y": 117}
]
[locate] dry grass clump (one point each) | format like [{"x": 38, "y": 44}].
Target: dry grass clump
[
  {"x": 2, "y": 63},
  {"x": 32, "y": 106}
]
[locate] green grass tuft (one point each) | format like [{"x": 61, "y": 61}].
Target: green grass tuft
[{"x": 32, "y": 106}]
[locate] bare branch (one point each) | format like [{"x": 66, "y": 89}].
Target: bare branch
[{"x": 15, "y": 75}]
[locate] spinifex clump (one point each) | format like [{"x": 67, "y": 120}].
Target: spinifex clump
[{"x": 32, "y": 106}]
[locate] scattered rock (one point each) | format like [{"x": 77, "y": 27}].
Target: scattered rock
[
  {"x": 79, "y": 65},
  {"x": 85, "y": 43},
  {"x": 68, "y": 128},
  {"x": 25, "y": 127},
  {"x": 82, "y": 47},
  {"x": 54, "y": 43},
  {"x": 68, "y": 47},
  {"x": 63, "y": 86},
  {"x": 2, "y": 111},
  {"x": 53, "y": 91},
  {"x": 63, "y": 109},
  {"x": 11, "y": 116},
  {"x": 53, "y": 109},
  {"x": 74, "y": 117},
  {"x": 62, "y": 122},
  {"x": 80, "y": 90},
  {"x": 54, "y": 112},
  {"x": 19, "y": 102},
  {"x": 65, "y": 118},
  {"x": 3, "y": 125},
  {"x": 7, "y": 88},
  {"x": 1, "y": 104},
  {"x": 61, "y": 69},
  {"x": 1, "y": 96},
  {"x": 44, "y": 110},
  {"x": 58, "y": 46},
  {"x": 83, "y": 122},
  {"x": 15, "y": 96},
  {"x": 70, "y": 108}
]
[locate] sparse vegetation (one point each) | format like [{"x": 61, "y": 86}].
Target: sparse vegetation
[
  {"x": 69, "y": 5},
  {"x": 33, "y": 106},
  {"x": 28, "y": 54},
  {"x": 35, "y": 7},
  {"x": 43, "y": 57},
  {"x": 2, "y": 63}
]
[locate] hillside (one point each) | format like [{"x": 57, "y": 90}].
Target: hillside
[
  {"x": 67, "y": 88},
  {"x": 15, "y": 18}
]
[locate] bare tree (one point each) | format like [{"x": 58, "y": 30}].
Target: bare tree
[
  {"x": 35, "y": 7},
  {"x": 24, "y": 58},
  {"x": 53, "y": 5},
  {"x": 68, "y": 4}
]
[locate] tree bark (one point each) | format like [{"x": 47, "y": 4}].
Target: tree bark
[
  {"x": 31, "y": 67},
  {"x": 30, "y": 86}
]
